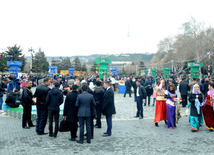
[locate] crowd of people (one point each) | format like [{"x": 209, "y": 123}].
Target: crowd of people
[{"x": 88, "y": 98}]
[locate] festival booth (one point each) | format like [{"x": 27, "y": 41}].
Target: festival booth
[
  {"x": 166, "y": 71},
  {"x": 71, "y": 71},
  {"x": 79, "y": 73},
  {"x": 154, "y": 72},
  {"x": 53, "y": 69},
  {"x": 195, "y": 69},
  {"x": 14, "y": 67},
  {"x": 103, "y": 67},
  {"x": 145, "y": 72}
]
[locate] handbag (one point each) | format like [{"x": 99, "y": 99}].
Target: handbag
[{"x": 64, "y": 126}]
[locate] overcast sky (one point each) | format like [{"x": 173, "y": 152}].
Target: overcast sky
[{"x": 84, "y": 27}]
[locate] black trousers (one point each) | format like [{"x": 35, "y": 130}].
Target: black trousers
[
  {"x": 99, "y": 113},
  {"x": 42, "y": 114},
  {"x": 128, "y": 90},
  {"x": 82, "y": 120},
  {"x": 55, "y": 115},
  {"x": 148, "y": 97},
  {"x": 139, "y": 107},
  {"x": 114, "y": 86},
  {"x": 184, "y": 100},
  {"x": 26, "y": 118},
  {"x": 73, "y": 129},
  {"x": 92, "y": 126}
]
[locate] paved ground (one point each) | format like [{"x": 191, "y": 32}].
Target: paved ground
[{"x": 130, "y": 136}]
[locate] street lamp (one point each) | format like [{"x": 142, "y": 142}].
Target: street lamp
[
  {"x": 31, "y": 52},
  {"x": 208, "y": 52}
]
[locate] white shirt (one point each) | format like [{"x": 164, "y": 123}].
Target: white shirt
[
  {"x": 113, "y": 81},
  {"x": 138, "y": 93},
  {"x": 169, "y": 101},
  {"x": 107, "y": 88}
]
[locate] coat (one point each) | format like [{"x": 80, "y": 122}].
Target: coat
[
  {"x": 41, "y": 94},
  {"x": 192, "y": 98},
  {"x": 10, "y": 86},
  {"x": 142, "y": 92},
  {"x": 17, "y": 84},
  {"x": 70, "y": 110},
  {"x": 149, "y": 92},
  {"x": 27, "y": 97},
  {"x": 183, "y": 87},
  {"x": 128, "y": 84},
  {"x": 2, "y": 89},
  {"x": 54, "y": 99},
  {"x": 98, "y": 96},
  {"x": 108, "y": 103},
  {"x": 86, "y": 104},
  {"x": 206, "y": 84},
  {"x": 11, "y": 100}
]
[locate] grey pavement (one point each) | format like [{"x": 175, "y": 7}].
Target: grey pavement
[{"x": 130, "y": 136}]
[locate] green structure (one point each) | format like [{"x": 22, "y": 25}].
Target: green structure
[
  {"x": 195, "y": 69},
  {"x": 103, "y": 66},
  {"x": 166, "y": 71},
  {"x": 146, "y": 72},
  {"x": 154, "y": 72}
]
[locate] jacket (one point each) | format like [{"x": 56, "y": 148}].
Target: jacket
[
  {"x": 17, "y": 84},
  {"x": 54, "y": 99},
  {"x": 2, "y": 89},
  {"x": 206, "y": 84},
  {"x": 149, "y": 82},
  {"x": 85, "y": 102},
  {"x": 108, "y": 103},
  {"x": 98, "y": 96},
  {"x": 183, "y": 88},
  {"x": 41, "y": 94},
  {"x": 27, "y": 97},
  {"x": 192, "y": 97},
  {"x": 10, "y": 86},
  {"x": 70, "y": 110},
  {"x": 149, "y": 92},
  {"x": 128, "y": 84},
  {"x": 142, "y": 92},
  {"x": 11, "y": 100}
]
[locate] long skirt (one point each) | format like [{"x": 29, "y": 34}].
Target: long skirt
[
  {"x": 208, "y": 116},
  {"x": 171, "y": 119},
  {"x": 160, "y": 111},
  {"x": 200, "y": 118},
  {"x": 195, "y": 122}
]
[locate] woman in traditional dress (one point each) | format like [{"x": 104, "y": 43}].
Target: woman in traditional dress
[
  {"x": 207, "y": 108},
  {"x": 170, "y": 95},
  {"x": 195, "y": 100},
  {"x": 160, "y": 110}
]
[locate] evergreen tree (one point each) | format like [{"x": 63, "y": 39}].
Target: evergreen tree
[
  {"x": 40, "y": 63},
  {"x": 84, "y": 67},
  {"x": 14, "y": 53},
  {"x": 3, "y": 62},
  {"x": 77, "y": 64}
]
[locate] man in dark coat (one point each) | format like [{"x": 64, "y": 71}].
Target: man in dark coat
[
  {"x": 128, "y": 87},
  {"x": 206, "y": 84},
  {"x": 140, "y": 94},
  {"x": 98, "y": 97},
  {"x": 108, "y": 107},
  {"x": 3, "y": 89},
  {"x": 27, "y": 102},
  {"x": 149, "y": 92},
  {"x": 11, "y": 99},
  {"x": 41, "y": 105},
  {"x": 70, "y": 111},
  {"x": 54, "y": 100},
  {"x": 84, "y": 102},
  {"x": 183, "y": 89}
]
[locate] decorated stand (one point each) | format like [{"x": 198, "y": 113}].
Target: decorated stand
[
  {"x": 53, "y": 69},
  {"x": 71, "y": 71},
  {"x": 145, "y": 72},
  {"x": 166, "y": 71},
  {"x": 103, "y": 67},
  {"x": 195, "y": 69},
  {"x": 14, "y": 67},
  {"x": 154, "y": 72}
]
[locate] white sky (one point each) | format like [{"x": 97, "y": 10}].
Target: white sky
[{"x": 84, "y": 27}]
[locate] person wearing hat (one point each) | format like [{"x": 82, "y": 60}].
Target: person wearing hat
[
  {"x": 70, "y": 84},
  {"x": 98, "y": 97}
]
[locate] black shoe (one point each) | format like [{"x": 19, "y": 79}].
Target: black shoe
[
  {"x": 89, "y": 142},
  {"x": 85, "y": 134},
  {"x": 136, "y": 116},
  {"x": 54, "y": 136},
  {"x": 42, "y": 133},
  {"x": 98, "y": 127},
  {"x": 211, "y": 130},
  {"x": 156, "y": 124},
  {"x": 50, "y": 135},
  {"x": 79, "y": 141},
  {"x": 144, "y": 104},
  {"x": 200, "y": 124},
  {"x": 193, "y": 130},
  {"x": 72, "y": 139},
  {"x": 32, "y": 126},
  {"x": 153, "y": 105},
  {"x": 141, "y": 118},
  {"x": 165, "y": 122},
  {"x": 106, "y": 135},
  {"x": 26, "y": 127}
]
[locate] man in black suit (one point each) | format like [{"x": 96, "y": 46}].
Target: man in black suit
[
  {"x": 140, "y": 95},
  {"x": 183, "y": 89},
  {"x": 70, "y": 111},
  {"x": 108, "y": 107},
  {"x": 128, "y": 87},
  {"x": 84, "y": 102},
  {"x": 41, "y": 105},
  {"x": 206, "y": 84},
  {"x": 98, "y": 97},
  {"x": 27, "y": 102}
]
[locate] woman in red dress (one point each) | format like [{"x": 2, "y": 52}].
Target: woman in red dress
[
  {"x": 160, "y": 109},
  {"x": 207, "y": 108}
]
